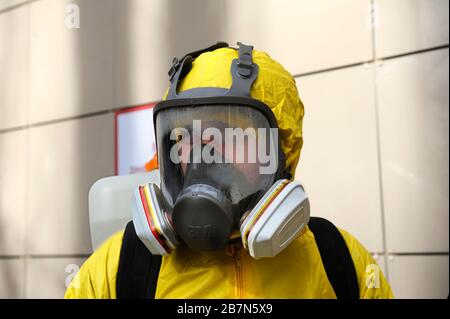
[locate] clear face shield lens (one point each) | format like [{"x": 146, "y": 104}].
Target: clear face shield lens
[
  {"x": 216, "y": 162},
  {"x": 232, "y": 148}
]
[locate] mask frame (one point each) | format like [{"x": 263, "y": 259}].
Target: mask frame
[{"x": 243, "y": 71}]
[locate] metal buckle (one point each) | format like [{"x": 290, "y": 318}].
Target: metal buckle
[
  {"x": 244, "y": 63},
  {"x": 174, "y": 68}
]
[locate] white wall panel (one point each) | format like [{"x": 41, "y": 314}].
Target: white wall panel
[
  {"x": 65, "y": 160},
  {"x": 304, "y": 35},
  {"x": 419, "y": 276},
  {"x": 71, "y": 70},
  {"x": 413, "y": 107},
  {"x": 338, "y": 164},
  {"x": 13, "y": 156},
  {"x": 410, "y": 25},
  {"x": 50, "y": 277},
  {"x": 14, "y": 36},
  {"x": 11, "y": 278}
]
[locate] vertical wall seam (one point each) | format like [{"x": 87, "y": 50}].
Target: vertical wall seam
[
  {"x": 378, "y": 137},
  {"x": 27, "y": 156},
  {"x": 113, "y": 52}
]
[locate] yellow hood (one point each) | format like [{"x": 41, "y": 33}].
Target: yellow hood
[{"x": 274, "y": 86}]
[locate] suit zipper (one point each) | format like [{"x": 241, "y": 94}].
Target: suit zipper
[{"x": 239, "y": 274}]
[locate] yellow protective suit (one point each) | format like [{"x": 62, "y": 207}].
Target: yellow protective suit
[{"x": 297, "y": 272}]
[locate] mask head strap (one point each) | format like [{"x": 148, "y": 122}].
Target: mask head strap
[
  {"x": 243, "y": 72},
  {"x": 176, "y": 63},
  {"x": 180, "y": 71},
  {"x": 181, "y": 67}
]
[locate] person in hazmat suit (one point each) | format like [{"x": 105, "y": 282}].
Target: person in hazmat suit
[{"x": 228, "y": 220}]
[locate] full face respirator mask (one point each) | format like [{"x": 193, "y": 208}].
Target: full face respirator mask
[{"x": 222, "y": 170}]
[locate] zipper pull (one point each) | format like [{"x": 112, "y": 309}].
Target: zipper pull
[{"x": 229, "y": 250}]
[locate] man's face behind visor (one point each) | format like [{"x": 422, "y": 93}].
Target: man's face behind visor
[
  {"x": 215, "y": 143},
  {"x": 232, "y": 148}
]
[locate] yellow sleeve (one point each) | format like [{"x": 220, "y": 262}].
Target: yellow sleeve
[
  {"x": 97, "y": 277},
  {"x": 371, "y": 280}
]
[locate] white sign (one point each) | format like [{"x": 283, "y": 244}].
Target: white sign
[{"x": 134, "y": 139}]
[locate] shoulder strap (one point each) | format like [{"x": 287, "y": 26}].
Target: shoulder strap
[
  {"x": 138, "y": 268},
  {"x": 336, "y": 258}
]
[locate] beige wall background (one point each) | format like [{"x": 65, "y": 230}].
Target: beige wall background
[{"x": 373, "y": 75}]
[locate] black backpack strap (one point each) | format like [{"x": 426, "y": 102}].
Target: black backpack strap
[
  {"x": 336, "y": 258},
  {"x": 138, "y": 268}
]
